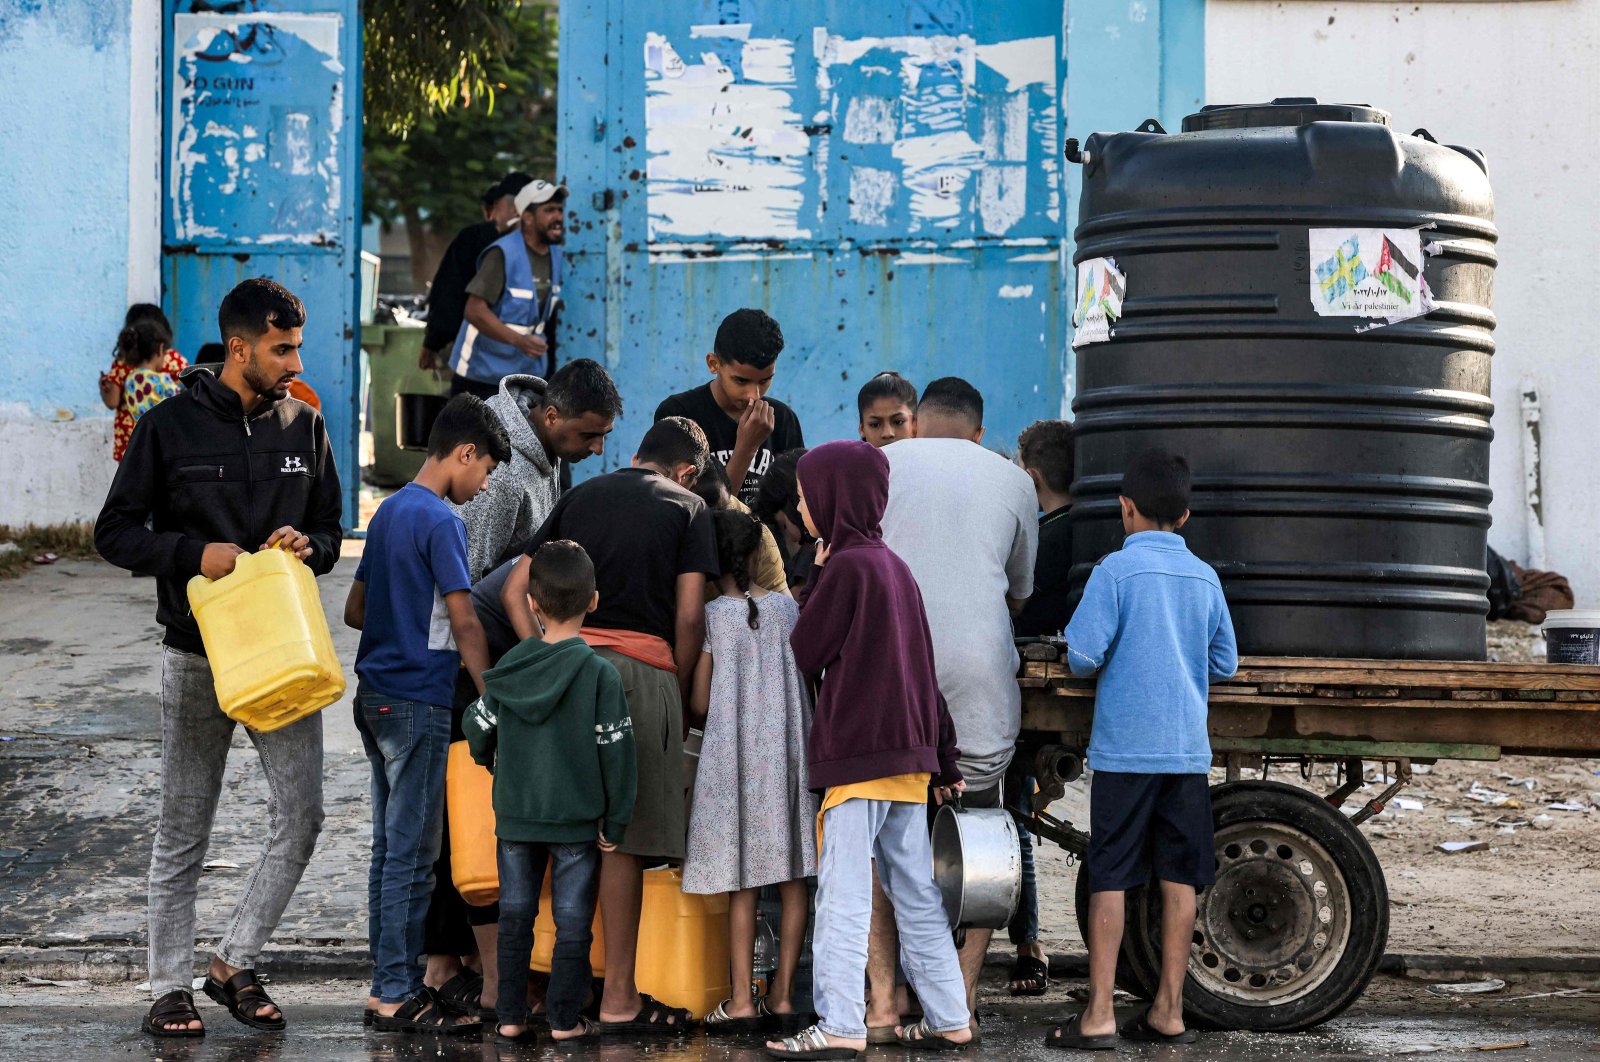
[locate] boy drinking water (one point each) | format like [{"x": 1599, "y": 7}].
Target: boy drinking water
[
  {"x": 412, "y": 602},
  {"x": 1154, "y": 626},
  {"x": 553, "y": 726}
]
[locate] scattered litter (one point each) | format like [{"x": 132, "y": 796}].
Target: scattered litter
[
  {"x": 1492, "y": 797},
  {"x": 1513, "y": 781},
  {"x": 221, "y": 864},
  {"x": 1423, "y": 768},
  {"x": 7, "y": 737},
  {"x": 1545, "y": 995},
  {"x": 1416, "y": 1049},
  {"x": 1569, "y": 805},
  {"x": 45, "y": 558},
  {"x": 27, "y": 980},
  {"x": 1453, "y": 847},
  {"x": 1510, "y": 1045},
  {"x": 1468, "y": 988},
  {"x": 1462, "y": 820},
  {"x": 1081, "y": 995},
  {"x": 1407, "y": 804},
  {"x": 1542, "y": 822}
]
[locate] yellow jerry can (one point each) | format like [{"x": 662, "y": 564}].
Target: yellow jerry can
[
  {"x": 469, "y": 802},
  {"x": 267, "y": 638},
  {"x": 683, "y": 957}
]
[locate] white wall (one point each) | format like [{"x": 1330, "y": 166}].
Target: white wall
[{"x": 1519, "y": 81}]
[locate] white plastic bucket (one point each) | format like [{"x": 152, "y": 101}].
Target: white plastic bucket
[{"x": 1572, "y": 636}]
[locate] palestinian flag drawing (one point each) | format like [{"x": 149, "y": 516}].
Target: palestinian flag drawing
[{"x": 1396, "y": 272}]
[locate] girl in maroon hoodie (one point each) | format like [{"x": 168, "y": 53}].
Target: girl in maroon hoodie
[{"x": 880, "y": 738}]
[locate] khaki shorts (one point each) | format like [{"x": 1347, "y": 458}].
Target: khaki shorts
[{"x": 660, "y": 821}]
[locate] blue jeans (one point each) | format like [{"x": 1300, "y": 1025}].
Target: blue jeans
[
  {"x": 574, "y": 883},
  {"x": 407, "y": 743},
  {"x": 896, "y": 835},
  {"x": 1024, "y": 926}
]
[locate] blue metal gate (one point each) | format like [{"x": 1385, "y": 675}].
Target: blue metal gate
[
  {"x": 884, "y": 178},
  {"x": 262, "y": 150}
]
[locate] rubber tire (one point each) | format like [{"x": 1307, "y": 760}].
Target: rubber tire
[
  {"x": 1131, "y": 978},
  {"x": 1236, "y": 802}
]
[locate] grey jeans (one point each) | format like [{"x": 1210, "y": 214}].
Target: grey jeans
[{"x": 195, "y": 737}]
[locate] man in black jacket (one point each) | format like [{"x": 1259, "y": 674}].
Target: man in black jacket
[{"x": 230, "y": 464}]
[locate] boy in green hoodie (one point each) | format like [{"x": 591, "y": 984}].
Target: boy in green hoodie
[{"x": 553, "y": 726}]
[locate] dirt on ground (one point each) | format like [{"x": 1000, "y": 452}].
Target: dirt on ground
[{"x": 1529, "y": 892}]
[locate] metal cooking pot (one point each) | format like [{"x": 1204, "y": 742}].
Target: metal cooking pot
[{"x": 977, "y": 864}]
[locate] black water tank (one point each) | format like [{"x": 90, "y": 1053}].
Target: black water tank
[{"x": 1341, "y": 463}]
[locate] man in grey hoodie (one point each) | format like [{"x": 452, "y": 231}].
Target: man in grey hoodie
[{"x": 566, "y": 419}]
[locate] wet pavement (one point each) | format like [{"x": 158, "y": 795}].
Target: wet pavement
[{"x": 1398, "y": 1018}]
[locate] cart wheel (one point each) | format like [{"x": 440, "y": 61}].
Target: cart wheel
[
  {"x": 1131, "y": 977},
  {"x": 1294, "y": 927}
]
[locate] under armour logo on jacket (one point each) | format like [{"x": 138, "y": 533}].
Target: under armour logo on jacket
[{"x": 293, "y": 464}]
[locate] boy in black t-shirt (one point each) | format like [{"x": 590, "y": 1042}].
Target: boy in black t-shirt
[
  {"x": 1045, "y": 451},
  {"x": 743, "y": 427}
]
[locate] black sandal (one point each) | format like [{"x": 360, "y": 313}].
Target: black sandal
[
  {"x": 174, "y": 1008},
  {"x": 1068, "y": 1036},
  {"x": 654, "y": 1019},
  {"x": 245, "y": 999},
  {"x": 423, "y": 1014},
  {"x": 1141, "y": 1030},
  {"x": 459, "y": 995},
  {"x": 1032, "y": 975}
]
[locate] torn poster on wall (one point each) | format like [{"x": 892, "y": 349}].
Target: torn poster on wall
[
  {"x": 1101, "y": 287},
  {"x": 1371, "y": 273},
  {"x": 257, "y": 113},
  {"x": 725, "y": 146}
]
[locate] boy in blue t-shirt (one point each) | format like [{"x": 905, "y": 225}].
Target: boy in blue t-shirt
[
  {"x": 1153, "y": 624},
  {"x": 412, "y": 602}
]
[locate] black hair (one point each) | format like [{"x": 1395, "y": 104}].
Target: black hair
[
  {"x": 257, "y": 304},
  {"x": 510, "y": 184},
  {"x": 886, "y": 385},
  {"x": 210, "y": 352},
  {"x": 561, "y": 579},
  {"x": 1046, "y": 446},
  {"x": 749, "y": 337},
  {"x": 1157, "y": 482},
  {"x": 953, "y": 395},
  {"x": 150, "y": 312},
  {"x": 140, "y": 341},
  {"x": 674, "y": 441},
  {"x": 468, "y": 419},
  {"x": 583, "y": 386},
  {"x": 738, "y": 538},
  {"x": 713, "y": 487},
  {"x": 780, "y": 488}
]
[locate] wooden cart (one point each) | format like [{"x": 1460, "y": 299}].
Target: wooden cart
[{"x": 1294, "y": 927}]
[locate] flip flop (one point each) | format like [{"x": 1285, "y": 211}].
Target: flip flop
[
  {"x": 920, "y": 1037},
  {"x": 720, "y": 1023},
  {"x": 654, "y": 1019},
  {"x": 591, "y": 1031},
  {"x": 1141, "y": 1030},
  {"x": 529, "y": 1035},
  {"x": 1067, "y": 1036},
  {"x": 812, "y": 1045},
  {"x": 174, "y": 1008},
  {"x": 1032, "y": 973}
]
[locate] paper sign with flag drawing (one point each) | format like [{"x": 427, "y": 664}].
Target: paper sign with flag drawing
[
  {"x": 1099, "y": 304},
  {"x": 1368, "y": 273}
]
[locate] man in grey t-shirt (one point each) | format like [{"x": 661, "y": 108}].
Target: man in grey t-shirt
[{"x": 965, "y": 520}]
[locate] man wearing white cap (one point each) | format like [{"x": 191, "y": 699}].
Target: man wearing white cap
[{"x": 511, "y": 302}]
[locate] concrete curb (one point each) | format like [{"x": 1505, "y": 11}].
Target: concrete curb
[{"x": 106, "y": 964}]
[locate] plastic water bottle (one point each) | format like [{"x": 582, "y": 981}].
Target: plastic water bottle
[{"x": 766, "y": 957}]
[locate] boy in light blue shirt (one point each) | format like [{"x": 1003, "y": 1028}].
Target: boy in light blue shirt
[{"x": 1154, "y": 626}]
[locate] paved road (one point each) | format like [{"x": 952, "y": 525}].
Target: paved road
[{"x": 1398, "y": 1019}]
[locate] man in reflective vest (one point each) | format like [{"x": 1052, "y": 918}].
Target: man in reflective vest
[{"x": 512, "y": 301}]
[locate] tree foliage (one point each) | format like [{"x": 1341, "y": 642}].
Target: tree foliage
[
  {"x": 424, "y": 57},
  {"x": 431, "y": 177}
]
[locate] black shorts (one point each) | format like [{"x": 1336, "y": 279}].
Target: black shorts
[{"x": 1144, "y": 822}]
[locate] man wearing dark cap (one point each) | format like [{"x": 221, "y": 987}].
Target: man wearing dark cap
[
  {"x": 512, "y": 301},
  {"x": 447, "y": 295}
]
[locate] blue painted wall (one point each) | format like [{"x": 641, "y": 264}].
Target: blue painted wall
[
  {"x": 64, "y": 197},
  {"x": 262, "y": 178},
  {"x": 894, "y": 202}
]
